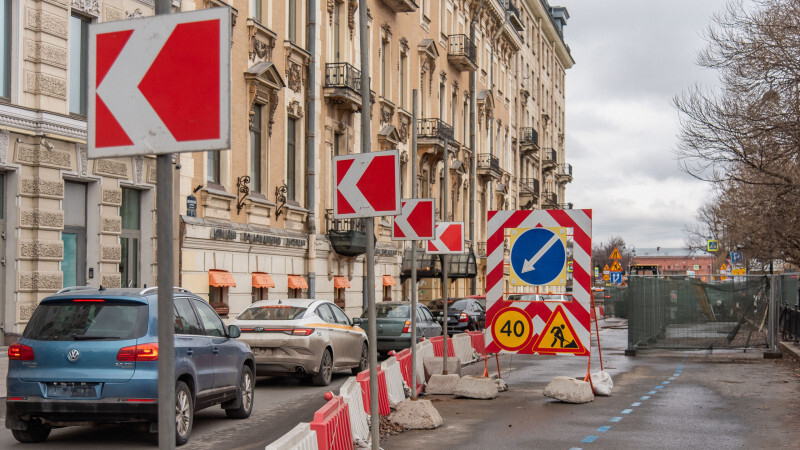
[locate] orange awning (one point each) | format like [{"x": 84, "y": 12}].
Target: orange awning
[
  {"x": 341, "y": 282},
  {"x": 262, "y": 280},
  {"x": 388, "y": 280},
  {"x": 220, "y": 278},
  {"x": 297, "y": 282}
]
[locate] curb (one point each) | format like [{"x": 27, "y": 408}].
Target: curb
[{"x": 791, "y": 348}]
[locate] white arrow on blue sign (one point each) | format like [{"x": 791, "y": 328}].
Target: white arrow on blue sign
[
  {"x": 538, "y": 257},
  {"x": 616, "y": 277}
]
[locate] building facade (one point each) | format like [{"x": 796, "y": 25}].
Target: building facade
[{"x": 255, "y": 221}]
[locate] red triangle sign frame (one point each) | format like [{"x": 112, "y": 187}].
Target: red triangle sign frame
[{"x": 545, "y": 334}]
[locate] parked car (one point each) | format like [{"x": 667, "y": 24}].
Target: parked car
[
  {"x": 525, "y": 297},
  {"x": 303, "y": 337},
  {"x": 91, "y": 356},
  {"x": 393, "y": 321},
  {"x": 464, "y": 314},
  {"x": 481, "y": 299}
]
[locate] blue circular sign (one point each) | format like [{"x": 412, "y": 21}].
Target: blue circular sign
[{"x": 538, "y": 256}]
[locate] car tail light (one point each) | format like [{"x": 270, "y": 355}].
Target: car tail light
[
  {"x": 302, "y": 331},
  {"x": 463, "y": 317},
  {"x": 88, "y": 300},
  {"x": 19, "y": 352},
  {"x": 407, "y": 327},
  {"x": 142, "y": 352}
]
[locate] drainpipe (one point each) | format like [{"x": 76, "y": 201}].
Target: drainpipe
[
  {"x": 311, "y": 171},
  {"x": 491, "y": 88},
  {"x": 473, "y": 169}
]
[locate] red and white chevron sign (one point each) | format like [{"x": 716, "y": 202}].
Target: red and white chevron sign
[
  {"x": 449, "y": 239},
  {"x": 366, "y": 185},
  {"x": 415, "y": 222},
  {"x": 519, "y": 326}
]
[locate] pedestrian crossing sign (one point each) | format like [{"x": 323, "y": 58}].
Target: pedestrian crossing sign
[{"x": 558, "y": 336}]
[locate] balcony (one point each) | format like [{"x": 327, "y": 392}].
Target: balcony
[
  {"x": 399, "y": 6},
  {"x": 461, "y": 53},
  {"x": 565, "y": 206},
  {"x": 549, "y": 159},
  {"x": 433, "y": 135},
  {"x": 528, "y": 140},
  {"x": 550, "y": 200},
  {"x": 514, "y": 18},
  {"x": 348, "y": 237},
  {"x": 564, "y": 172},
  {"x": 489, "y": 166},
  {"x": 529, "y": 187},
  {"x": 343, "y": 85}
]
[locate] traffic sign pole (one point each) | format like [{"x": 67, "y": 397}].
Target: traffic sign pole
[
  {"x": 166, "y": 327},
  {"x": 414, "y": 250},
  {"x": 370, "y": 228},
  {"x": 445, "y": 258}
]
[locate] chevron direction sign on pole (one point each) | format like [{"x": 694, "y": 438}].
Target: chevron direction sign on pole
[
  {"x": 449, "y": 239},
  {"x": 366, "y": 185},
  {"x": 160, "y": 84},
  {"x": 415, "y": 222}
]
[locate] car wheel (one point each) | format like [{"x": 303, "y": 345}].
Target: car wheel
[
  {"x": 246, "y": 392},
  {"x": 323, "y": 376},
  {"x": 363, "y": 363},
  {"x": 36, "y": 432},
  {"x": 184, "y": 413}
]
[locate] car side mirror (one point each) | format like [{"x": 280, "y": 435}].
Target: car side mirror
[
  {"x": 234, "y": 331},
  {"x": 356, "y": 320}
]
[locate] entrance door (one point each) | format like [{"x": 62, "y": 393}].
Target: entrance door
[
  {"x": 74, "y": 234},
  {"x": 130, "y": 236}
]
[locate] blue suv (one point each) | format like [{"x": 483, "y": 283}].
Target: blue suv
[{"x": 91, "y": 356}]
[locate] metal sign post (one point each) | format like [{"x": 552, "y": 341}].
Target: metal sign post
[
  {"x": 414, "y": 249},
  {"x": 445, "y": 258},
  {"x": 375, "y": 435}
]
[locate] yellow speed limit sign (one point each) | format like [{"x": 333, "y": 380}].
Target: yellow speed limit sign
[{"x": 512, "y": 329}]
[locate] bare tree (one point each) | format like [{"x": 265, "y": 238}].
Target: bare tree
[{"x": 745, "y": 137}]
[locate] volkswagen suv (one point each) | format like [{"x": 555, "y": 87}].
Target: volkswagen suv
[{"x": 90, "y": 356}]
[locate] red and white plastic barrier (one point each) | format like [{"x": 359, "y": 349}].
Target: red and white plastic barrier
[
  {"x": 478, "y": 342},
  {"x": 359, "y": 421},
  {"x": 332, "y": 425},
  {"x": 383, "y": 394},
  {"x": 438, "y": 346},
  {"x": 394, "y": 381},
  {"x": 463, "y": 348},
  {"x": 302, "y": 437},
  {"x": 404, "y": 360}
]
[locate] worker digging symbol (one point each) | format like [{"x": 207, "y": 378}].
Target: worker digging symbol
[{"x": 558, "y": 333}]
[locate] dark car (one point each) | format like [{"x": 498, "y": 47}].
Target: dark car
[
  {"x": 90, "y": 356},
  {"x": 393, "y": 320},
  {"x": 464, "y": 314}
]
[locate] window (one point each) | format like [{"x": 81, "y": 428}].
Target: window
[
  {"x": 74, "y": 234},
  {"x": 465, "y": 127},
  {"x": 78, "y": 64},
  {"x": 291, "y": 30},
  {"x": 291, "y": 159},
  {"x": 402, "y": 78},
  {"x": 186, "y": 321},
  {"x": 441, "y": 102},
  {"x": 339, "y": 315},
  {"x": 338, "y": 144},
  {"x": 130, "y": 237},
  {"x": 5, "y": 48},
  {"x": 213, "y": 175},
  {"x": 211, "y": 322},
  {"x": 387, "y": 293},
  {"x": 453, "y": 104},
  {"x": 255, "y": 149},
  {"x": 338, "y": 296},
  {"x": 337, "y": 32},
  {"x": 255, "y": 10},
  {"x": 324, "y": 312},
  {"x": 384, "y": 75}
]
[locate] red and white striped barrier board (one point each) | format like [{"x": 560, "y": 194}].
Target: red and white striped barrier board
[{"x": 543, "y": 327}]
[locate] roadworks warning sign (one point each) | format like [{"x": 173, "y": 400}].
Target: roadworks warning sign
[{"x": 558, "y": 335}]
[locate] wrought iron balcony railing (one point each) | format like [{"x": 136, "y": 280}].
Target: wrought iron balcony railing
[
  {"x": 566, "y": 206},
  {"x": 486, "y": 161},
  {"x": 529, "y": 186},
  {"x": 565, "y": 170},
  {"x": 343, "y": 75},
  {"x": 549, "y": 156},
  {"x": 462, "y": 52},
  {"x": 550, "y": 198},
  {"x": 528, "y": 136},
  {"x": 434, "y": 128}
]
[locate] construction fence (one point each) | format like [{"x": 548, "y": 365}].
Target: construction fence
[{"x": 687, "y": 313}]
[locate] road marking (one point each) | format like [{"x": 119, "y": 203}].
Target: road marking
[
  {"x": 646, "y": 397},
  {"x": 635, "y": 404},
  {"x": 627, "y": 411},
  {"x": 665, "y": 382},
  {"x": 589, "y": 438},
  {"x": 659, "y": 387},
  {"x": 615, "y": 419},
  {"x": 652, "y": 392},
  {"x": 672, "y": 378},
  {"x": 605, "y": 428}
]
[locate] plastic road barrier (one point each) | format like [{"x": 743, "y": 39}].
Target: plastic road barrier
[
  {"x": 438, "y": 346},
  {"x": 359, "y": 422},
  {"x": 478, "y": 341},
  {"x": 463, "y": 348},
  {"x": 301, "y": 437},
  {"x": 332, "y": 424},
  {"x": 394, "y": 381},
  {"x": 424, "y": 350},
  {"x": 404, "y": 359},
  {"x": 383, "y": 395}
]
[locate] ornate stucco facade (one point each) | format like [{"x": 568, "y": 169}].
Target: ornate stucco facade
[{"x": 262, "y": 225}]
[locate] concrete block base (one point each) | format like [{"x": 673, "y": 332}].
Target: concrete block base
[
  {"x": 476, "y": 387},
  {"x": 569, "y": 390},
  {"x": 416, "y": 415},
  {"x": 442, "y": 384},
  {"x": 433, "y": 366}
]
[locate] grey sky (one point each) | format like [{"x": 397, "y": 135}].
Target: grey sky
[{"x": 632, "y": 57}]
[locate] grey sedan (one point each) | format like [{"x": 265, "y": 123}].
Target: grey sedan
[{"x": 393, "y": 320}]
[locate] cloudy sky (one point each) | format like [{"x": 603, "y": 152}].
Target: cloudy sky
[{"x": 632, "y": 58}]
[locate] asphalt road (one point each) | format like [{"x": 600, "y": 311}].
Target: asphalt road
[
  {"x": 660, "y": 400},
  {"x": 280, "y": 404}
]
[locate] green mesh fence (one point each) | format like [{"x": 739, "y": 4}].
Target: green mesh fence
[{"x": 686, "y": 313}]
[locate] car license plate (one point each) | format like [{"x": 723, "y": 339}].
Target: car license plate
[{"x": 72, "y": 390}]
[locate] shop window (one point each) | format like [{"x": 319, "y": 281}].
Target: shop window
[
  {"x": 261, "y": 284},
  {"x": 5, "y": 48},
  {"x": 388, "y": 282},
  {"x": 73, "y": 265},
  {"x": 339, "y": 286},
  {"x": 218, "y": 283},
  {"x": 296, "y": 284},
  {"x": 131, "y": 235}
]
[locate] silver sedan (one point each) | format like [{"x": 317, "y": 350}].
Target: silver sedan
[{"x": 302, "y": 337}]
